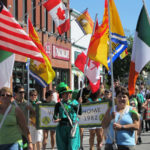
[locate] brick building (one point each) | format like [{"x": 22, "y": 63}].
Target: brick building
[{"x": 57, "y": 47}]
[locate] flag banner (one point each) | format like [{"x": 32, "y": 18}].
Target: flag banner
[
  {"x": 92, "y": 115},
  {"x": 14, "y": 39},
  {"x": 59, "y": 13},
  {"x": 41, "y": 72},
  {"x": 99, "y": 44},
  {"x": 92, "y": 71},
  {"x": 85, "y": 22},
  {"x": 6, "y": 64},
  {"x": 140, "y": 51}
]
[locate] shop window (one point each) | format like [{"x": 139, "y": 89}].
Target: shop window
[{"x": 62, "y": 75}]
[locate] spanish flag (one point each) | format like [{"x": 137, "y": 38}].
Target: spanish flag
[
  {"x": 85, "y": 22},
  {"x": 41, "y": 72},
  {"x": 99, "y": 44}
]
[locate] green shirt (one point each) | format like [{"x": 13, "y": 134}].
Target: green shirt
[{"x": 10, "y": 131}]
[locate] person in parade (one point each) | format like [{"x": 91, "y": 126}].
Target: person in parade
[
  {"x": 12, "y": 123},
  {"x": 85, "y": 95},
  {"x": 37, "y": 135},
  {"x": 98, "y": 131},
  {"x": 23, "y": 104},
  {"x": 121, "y": 124},
  {"x": 65, "y": 114},
  {"x": 49, "y": 100}
]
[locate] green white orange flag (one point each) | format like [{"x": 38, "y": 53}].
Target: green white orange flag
[
  {"x": 41, "y": 72},
  {"x": 141, "y": 50},
  {"x": 6, "y": 65}
]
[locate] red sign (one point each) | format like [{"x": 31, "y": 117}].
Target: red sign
[{"x": 61, "y": 52}]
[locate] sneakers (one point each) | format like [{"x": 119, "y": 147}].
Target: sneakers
[{"x": 139, "y": 141}]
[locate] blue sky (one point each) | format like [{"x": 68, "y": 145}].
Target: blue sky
[{"x": 128, "y": 10}]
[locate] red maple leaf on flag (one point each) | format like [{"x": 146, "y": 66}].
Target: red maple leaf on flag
[{"x": 61, "y": 13}]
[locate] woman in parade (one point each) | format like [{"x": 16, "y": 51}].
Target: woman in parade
[
  {"x": 94, "y": 97},
  {"x": 49, "y": 100},
  {"x": 65, "y": 114},
  {"x": 121, "y": 124},
  {"x": 12, "y": 120},
  {"x": 37, "y": 135}
]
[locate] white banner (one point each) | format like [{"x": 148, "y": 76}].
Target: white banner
[{"x": 92, "y": 115}]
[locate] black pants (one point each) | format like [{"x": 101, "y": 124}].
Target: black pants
[{"x": 120, "y": 147}]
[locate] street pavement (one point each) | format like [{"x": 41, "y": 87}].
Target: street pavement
[{"x": 145, "y": 145}]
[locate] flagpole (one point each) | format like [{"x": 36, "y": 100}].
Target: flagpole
[
  {"x": 111, "y": 55},
  {"x": 79, "y": 39},
  {"x": 28, "y": 76},
  {"x": 146, "y": 12}
]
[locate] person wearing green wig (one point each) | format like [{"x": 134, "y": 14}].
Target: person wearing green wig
[{"x": 65, "y": 114}]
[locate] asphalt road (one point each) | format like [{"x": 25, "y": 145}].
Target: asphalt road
[{"x": 144, "y": 146}]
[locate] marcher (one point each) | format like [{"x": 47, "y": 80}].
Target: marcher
[
  {"x": 13, "y": 120},
  {"x": 126, "y": 121},
  {"x": 49, "y": 100},
  {"x": 66, "y": 115},
  {"x": 85, "y": 95},
  {"x": 23, "y": 104},
  {"x": 37, "y": 135},
  {"x": 95, "y": 97}
]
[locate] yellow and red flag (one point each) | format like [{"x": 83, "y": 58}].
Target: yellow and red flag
[
  {"x": 41, "y": 72},
  {"x": 85, "y": 22},
  {"x": 99, "y": 44}
]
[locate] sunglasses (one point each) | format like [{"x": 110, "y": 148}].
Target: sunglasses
[
  {"x": 6, "y": 95},
  {"x": 33, "y": 95},
  {"x": 21, "y": 92}
]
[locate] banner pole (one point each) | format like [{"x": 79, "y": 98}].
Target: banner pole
[
  {"x": 28, "y": 76},
  {"x": 111, "y": 55}
]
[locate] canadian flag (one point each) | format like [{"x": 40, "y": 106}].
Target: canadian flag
[
  {"x": 59, "y": 13},
  {"x": 92, "y": 72}
]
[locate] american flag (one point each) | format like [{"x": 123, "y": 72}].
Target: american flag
[{"x": 14, "y": 39}]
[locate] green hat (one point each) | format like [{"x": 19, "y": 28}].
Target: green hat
[{"x": 63, "y": 88}]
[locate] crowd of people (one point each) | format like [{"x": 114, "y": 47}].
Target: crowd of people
[{"x": 120, "y": 129}]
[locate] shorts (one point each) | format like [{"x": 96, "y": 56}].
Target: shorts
[{"x": 36, "y": 135}]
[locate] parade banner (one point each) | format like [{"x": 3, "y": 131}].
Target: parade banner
[{"x": 92, "y": 115}]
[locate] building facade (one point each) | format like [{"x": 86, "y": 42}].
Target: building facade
[{"x": 57, "y": 47}]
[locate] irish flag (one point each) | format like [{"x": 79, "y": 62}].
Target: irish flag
[
  {"x": 6, "y": 65},
  {"x": 141, "y": 49}
]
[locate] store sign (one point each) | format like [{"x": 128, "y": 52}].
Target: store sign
[
  {"x": 92, "y": 115},
  {"x": 61, "y": 53},
  {"x": 47, "y": 47}
]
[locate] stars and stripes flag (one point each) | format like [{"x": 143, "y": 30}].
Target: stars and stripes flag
[{"x": 14, "y": 39}]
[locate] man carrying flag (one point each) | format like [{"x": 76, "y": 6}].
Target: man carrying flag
[{"x": 41, "y": 72}]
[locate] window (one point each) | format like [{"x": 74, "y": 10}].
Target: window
[
  {"x": 76, "y": 54},
  {"x": 75, "y": 82},
  {"x": 15, "y": 10},
  {"x": 53, "y": 26},
  {"x": 25, "y": 11},
  {"x": 45, "y": 19},
  {"x": 34, "y": 12}
]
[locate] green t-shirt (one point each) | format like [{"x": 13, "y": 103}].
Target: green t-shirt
[{"x": 10, "y": 131}]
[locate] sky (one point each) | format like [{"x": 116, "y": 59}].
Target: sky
[{"x": 128, "y": 10}]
